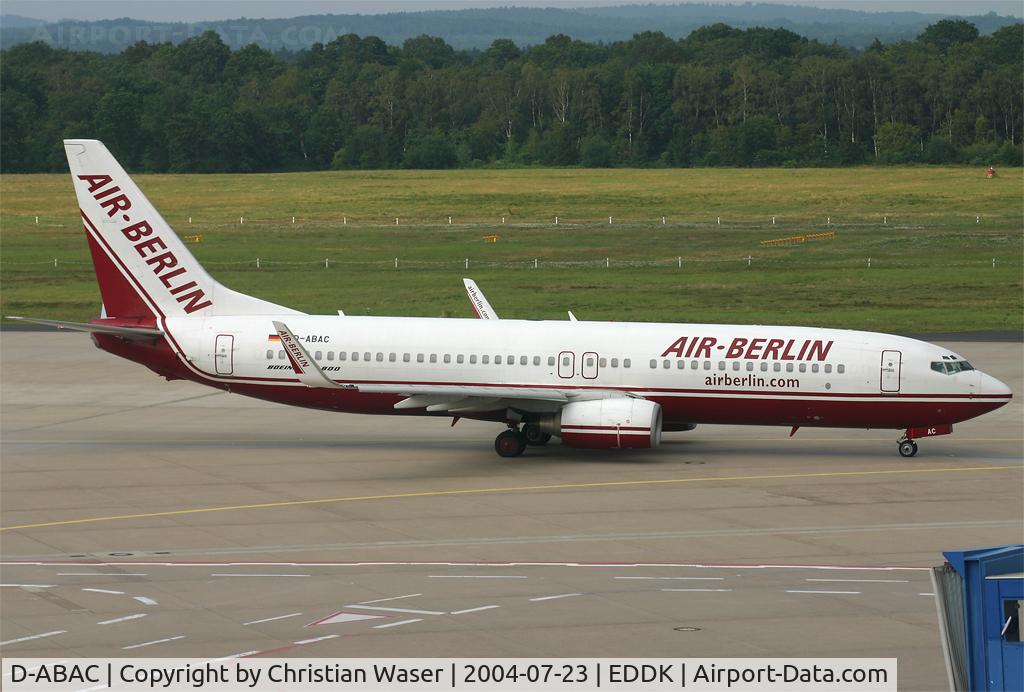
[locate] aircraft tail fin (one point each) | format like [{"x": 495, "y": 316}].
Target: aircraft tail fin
[{"x": 144, "y": 270}]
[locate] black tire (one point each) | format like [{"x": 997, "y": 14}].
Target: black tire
[
  {"x": 510, "y": 444},
  {"x": 535, "y": 436},
  {"x": 908, "y": 448}
]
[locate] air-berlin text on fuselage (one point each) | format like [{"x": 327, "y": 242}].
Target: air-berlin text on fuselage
[
  {"x": 754, "y": 349},
  {"x": 164, "y": 264}
]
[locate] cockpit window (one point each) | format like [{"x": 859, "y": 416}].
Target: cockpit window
[{"x": 950, "y": 367}]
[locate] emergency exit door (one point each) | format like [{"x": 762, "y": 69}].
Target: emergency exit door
[
  {"x": 223, "y": 354},
  {"x": 890, "y": 376}
]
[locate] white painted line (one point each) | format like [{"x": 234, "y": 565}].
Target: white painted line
[
  {"x": 101, "y": 574},
  {"x": 316, "y": 639},
  {"x": 551, "y": 598},
  {"x": 125, "y": 618},
  {"x": 477, "y": 576},
  {"x": 925, "y": 594},
  {"x": 34, "y": 636},
  {"x": 473, "y": 610},
  {"x": 30, "y": 586},
  {"x": 709, "y": 590},
  {"x": 398, "y": 610},
  {"x": 93, "y": 689},
  {"x": 833, "y": 592},
  {"x": 241, "y": 655},
  {"x": 156, "y": 641},
  {"x": 279, "y": 617},
  {"x": 396, "y": 624},
  {"x": 867, "y": 581},
  {"x": 392, "y": 598},
  {"x": 117, "y": 593},
  {"x": 145, "y": 600},
  {"x": 259, "y": 575},
  {"x": 679, "y": 578}
]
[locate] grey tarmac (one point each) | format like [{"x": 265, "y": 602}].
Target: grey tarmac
[{"x": 147, "y": 518}]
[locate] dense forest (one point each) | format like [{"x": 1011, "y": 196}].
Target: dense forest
[{"x": 719, "y": 97}]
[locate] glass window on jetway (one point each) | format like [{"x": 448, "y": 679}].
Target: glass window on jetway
[{"x": 1012, "y": 610}]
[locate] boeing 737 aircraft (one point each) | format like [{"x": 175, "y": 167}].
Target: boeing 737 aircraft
[{"x": 593, "y": 384}]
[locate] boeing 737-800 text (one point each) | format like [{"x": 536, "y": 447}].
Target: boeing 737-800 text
[{"x": 593, "y": 384}]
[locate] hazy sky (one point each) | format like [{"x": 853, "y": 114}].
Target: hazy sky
[{"x": 195, "y": 10}]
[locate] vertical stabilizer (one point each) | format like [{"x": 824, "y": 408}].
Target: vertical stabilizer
[{"x": 144, "y": 270}]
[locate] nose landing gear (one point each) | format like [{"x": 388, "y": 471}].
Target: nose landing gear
[{"x": 907, "y": 447}]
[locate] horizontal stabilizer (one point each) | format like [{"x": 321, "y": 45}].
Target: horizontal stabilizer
[{"x": 116, "y": 330}]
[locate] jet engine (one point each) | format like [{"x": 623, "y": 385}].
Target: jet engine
[{"x": 617, "y": 422}]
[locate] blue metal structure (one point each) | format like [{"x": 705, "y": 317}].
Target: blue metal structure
[{"x": 993, "y": 603}]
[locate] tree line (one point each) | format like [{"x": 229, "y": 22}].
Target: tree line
[{"x": 719, "y": 97}]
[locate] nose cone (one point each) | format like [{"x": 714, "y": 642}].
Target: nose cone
[{"x": 992, "y": 387}]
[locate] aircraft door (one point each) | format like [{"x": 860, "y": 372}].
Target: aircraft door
[
  {"x": 890, "y": 375},
  {"x": 223, "y": 354},
  {"x": 589, "y": 365},
  {"x": 566, "y": 364}
]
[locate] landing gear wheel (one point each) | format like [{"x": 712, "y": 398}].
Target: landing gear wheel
[
  {"x": 510, "y": 443},
  {"x": 535, "y": 436},
  {"x": 908, "y": 448}
]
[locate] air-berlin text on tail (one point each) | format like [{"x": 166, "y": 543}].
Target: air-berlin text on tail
[
  {"x": 756, "y": 349},
  {"x": 164, "y": 264}
]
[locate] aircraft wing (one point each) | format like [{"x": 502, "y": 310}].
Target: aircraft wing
[
  {"x": 478, "y": 301},
  {"x": 464, "y": 398},
  {"x": 305, "y": 367},
  {"x": 116, "y": 330}
]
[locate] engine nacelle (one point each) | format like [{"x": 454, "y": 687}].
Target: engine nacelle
[{"x": 618, "y": 422}]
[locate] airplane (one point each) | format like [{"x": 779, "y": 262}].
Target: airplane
[
  {"x": 482, "y": 307},
  {"x": 593, "y": 384}
]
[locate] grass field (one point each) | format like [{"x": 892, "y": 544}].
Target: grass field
[{"x": 931, "y": 261}]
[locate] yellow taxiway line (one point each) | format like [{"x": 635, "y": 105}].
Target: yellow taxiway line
[{"x": 508, "y": 489}]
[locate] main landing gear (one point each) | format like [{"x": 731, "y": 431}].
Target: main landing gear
[
  {"x": 535, "y": 436},
  {"x": 907, "y": 447},
  {"x": 510, "y": 443}
]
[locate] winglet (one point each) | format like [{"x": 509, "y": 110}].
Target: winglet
[
  {"x": 478, "y": 301},
  {"x": 305, "y": 367},
  {"x": 572, "y": 317}
]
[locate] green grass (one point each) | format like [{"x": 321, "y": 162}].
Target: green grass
[{"x": 931, "y": 263}]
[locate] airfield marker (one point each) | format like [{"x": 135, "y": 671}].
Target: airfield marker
[
  {"x": 535, "y": 263},
  {"x": 869, "y": 263},
  {"x": 396, "y": 220},
  {"x": 885, "y": 219},
  {"x": 449, "y": 221},
  {"x": 977, "y": 219},
  {"x": 396, "y": 263},
  {"x": 719, "y": 220},
  {"x": 556, "y": 220},
  {"x": 662, "y": 220},
  {"x": 37, "y": 220},
  {"x": 293, "y": 219},
  {"x": 257, "y": 262},
  {"x": 773, "y": 220},
  {"x": 240, "y": 220},
  {"x": 467, "y": 263},
  {"x": 680, "y": 261},
  {"x": 344, "y": 220},
  {"x": 609, "y": 221}
]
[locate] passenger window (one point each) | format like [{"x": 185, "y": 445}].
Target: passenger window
[
  {"x": 626, "y": 363},
  {"x": 764, "y": 367},
  {"x": 666, "y": 364},
  {"x": 270, "y": 354},
  {"x": 497, "y": 360},
  {"x": 840, "y": 369},
  {"x": 803, "y": 367},
  {"x": 789, "y": 367},
  {"x": 330, "y": 355},
  {"x": 721, "y": 365},
  {"x": 318, "y": 355},
  {"x": 433, "y": 357},
  {"x": 735, "y": 365},
  {"x": 681, "y": 364},
  {"x": 694, "y": 364},
  {"x": 707, "y": 365},
  {"x": 536, "y": 360},
  {"x": 342, "y": 355},
  {"x": 460, "y": 359},
  {"x": 615, "y": 362},
  {"x": 828, "y": 367},
  {"x": 472, "y": 359},
  {"x": 485, "y": 359},
  {"x": 777, "y": 367},
  {"x": 406, "y": 357},
  {"x": 380, "y": 357},
  {"x": 524, "y": 360},
  {"x": 602, "y": 362},
  {"x": 814, "y": 367},
  {"x": 392, "y": 357},
  {"x": 419, "y": 358},
  {"x": 447, "y": 358},
  {"x": 355, "y": 356},
  {"x": 280, "y": 355},
  {"x": 654, "y": 363},
  {"x": 366, "y": 355},
  {"x": 750, "y": 366},
  {"x": 565, "y": 362}
]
